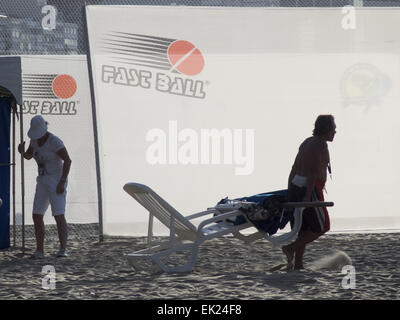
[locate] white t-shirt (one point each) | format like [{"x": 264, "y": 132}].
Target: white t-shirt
[{"x": 49, "y": 163}]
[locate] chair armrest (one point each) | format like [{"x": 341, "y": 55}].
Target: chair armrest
[
  {"x": 220, "y": 217},
  {"x": 200, "y": 214}
]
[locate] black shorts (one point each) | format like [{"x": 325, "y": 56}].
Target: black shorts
[{"x": 313, "y": 218}]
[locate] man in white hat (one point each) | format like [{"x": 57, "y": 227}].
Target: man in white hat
[{"x": 51, "y": 188}]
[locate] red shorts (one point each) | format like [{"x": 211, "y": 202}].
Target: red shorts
[
  {"x": 319, "y": 189},
  {"x": 314, "y": 219}
]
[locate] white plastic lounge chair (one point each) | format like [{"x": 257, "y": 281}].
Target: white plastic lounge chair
[{"x": 185, "y": 236}]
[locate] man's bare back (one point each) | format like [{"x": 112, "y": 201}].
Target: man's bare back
[
  {"x": 311, "y": 162},
  {"x": 312, "y": 158}
]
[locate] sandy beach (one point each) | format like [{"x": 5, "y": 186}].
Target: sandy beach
[{"x": 226, "y": 269}]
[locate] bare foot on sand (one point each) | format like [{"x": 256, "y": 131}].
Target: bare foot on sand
[
  {"x": 298, "y": 267},
  {"x": 289, "y": 266},
  {"x": 289, "y": 254}
]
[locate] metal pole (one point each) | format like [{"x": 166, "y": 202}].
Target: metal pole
[
  {"x": 95, "y": 132},
  {"x": 22, "y": 183},
  {"x": 306, "y": 204},
  {"x": 13, "y": 173}
]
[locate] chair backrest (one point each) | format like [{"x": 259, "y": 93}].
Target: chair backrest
[{"x": 162, "y": 210}]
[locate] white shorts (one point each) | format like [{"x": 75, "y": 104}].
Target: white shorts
[{"x": 46, "y": 194}]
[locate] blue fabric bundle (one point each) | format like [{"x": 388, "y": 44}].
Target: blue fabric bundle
[{"x": 278, "y": 217}]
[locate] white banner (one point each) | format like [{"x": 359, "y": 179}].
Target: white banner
[
  {"x": 203, "y": 103},
  {"x": 57, "y": 87}
]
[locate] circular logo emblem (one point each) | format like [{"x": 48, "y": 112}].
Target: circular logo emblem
[
  {"x": 364, "y": 84},
  {"x": 185, "y": 58},
  {"x": 64, "y": 86}
]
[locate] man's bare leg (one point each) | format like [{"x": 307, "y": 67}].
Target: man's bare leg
[
  {"x": 39, "y": 231},
  {"x": 298, "y": 247},
  {"x": 62, "y": 230},
  {"x": 289, "y": 252},
  {"x": 299, "y": 252}
]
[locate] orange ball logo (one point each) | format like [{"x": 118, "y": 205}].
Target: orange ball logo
[
  {"x": 185, "y": 58},
  {"x": 64, "y": 86}
]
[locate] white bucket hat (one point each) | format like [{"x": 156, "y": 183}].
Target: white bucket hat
[{"x": 38, "y": 127}]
